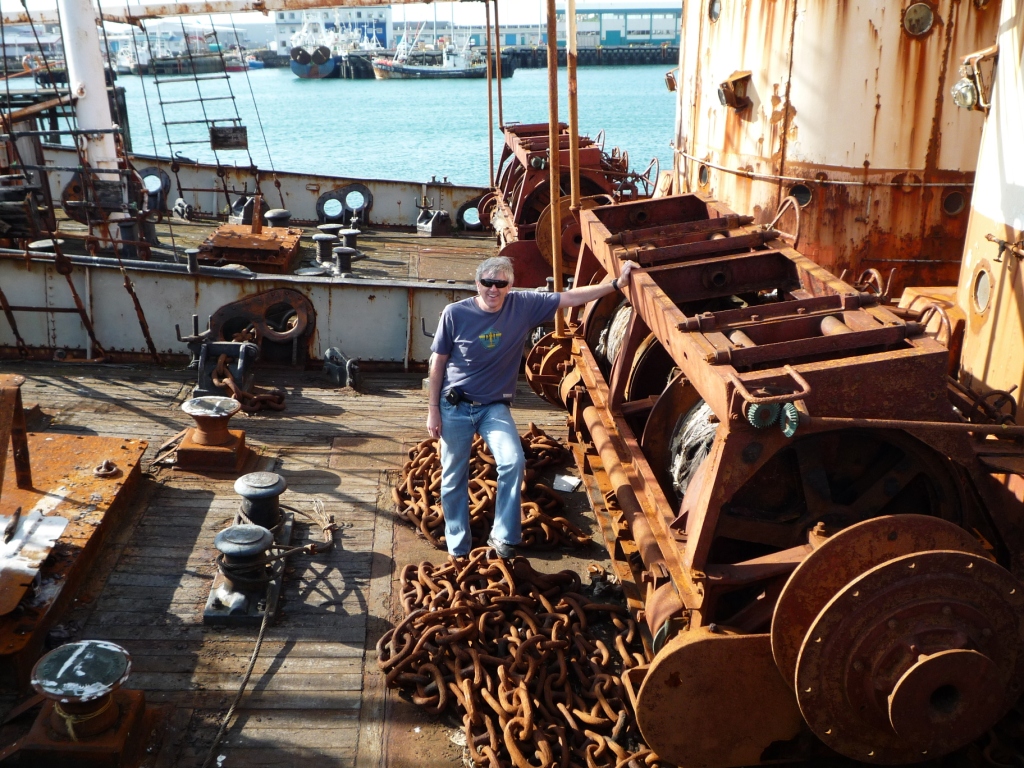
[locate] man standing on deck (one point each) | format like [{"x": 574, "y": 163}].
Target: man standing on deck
[{"x": 473, "y": 372}]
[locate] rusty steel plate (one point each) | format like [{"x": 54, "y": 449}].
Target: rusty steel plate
[
  {"x": 715, "y": 699},
  {"x": 842, "y": 558},
  {"x": 875, "y": 678}
]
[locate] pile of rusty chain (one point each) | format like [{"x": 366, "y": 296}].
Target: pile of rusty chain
[
  {"x": 519, "y": 656},
  {"x": 251, "y": 402},
  {"x": 418, "y": 494}
]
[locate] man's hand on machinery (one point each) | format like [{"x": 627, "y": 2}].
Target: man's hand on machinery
[{"x": 627, "y": 267}]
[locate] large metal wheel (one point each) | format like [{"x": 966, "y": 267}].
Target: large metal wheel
[
  {"x": 546, "y": 365},
  {"x": 572, "y": 235},
  {"x": 914, "y": 658},
  {"x": 840, "y": 559}
]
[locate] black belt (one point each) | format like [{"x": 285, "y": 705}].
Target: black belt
[{"x": 493, "y": 402}]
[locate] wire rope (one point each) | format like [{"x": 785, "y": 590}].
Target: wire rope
[
  {"x": 259, "y": 120},
  {"x": 149, "y": 118}
]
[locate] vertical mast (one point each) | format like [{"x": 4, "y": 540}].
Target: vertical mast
[{"x": 87, "y": 82}]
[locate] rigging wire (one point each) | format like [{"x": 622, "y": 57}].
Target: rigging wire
[
  {"x": 110, "y": 64},
  {"x": 202, "y": 105},
  {"x": 149, "y": 117},
  {"x": 259, "y": 120},
  {"x": 231, "y": 91}
]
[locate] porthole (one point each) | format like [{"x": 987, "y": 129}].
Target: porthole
[
  {"x": 714, "y": 10},
  {"x": 703, "y": 175},
  {"x": 954, "y": 202},
  {"x": 332, "y": 209},
  {"x": 802, "y": 193},
  {"x": 354, "y": 200},
  {"x": 982, "y": 290},
  {"x": 918, "y": 19}
]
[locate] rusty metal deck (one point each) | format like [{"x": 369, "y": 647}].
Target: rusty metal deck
[{"x": 315, "y": 692}]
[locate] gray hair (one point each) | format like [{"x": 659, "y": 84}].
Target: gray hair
[{"x": 500, "y": 264}]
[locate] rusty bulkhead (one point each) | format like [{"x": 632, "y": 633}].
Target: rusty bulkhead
[{"x": 846, "y": 108}]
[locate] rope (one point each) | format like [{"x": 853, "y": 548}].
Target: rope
[
  {"x": 231, "y": 92},
  {"x": 106, "y": 44},
  {"x": 326, "y": 521},
  {"x": 241, "y": 690},
  {"x": 42, "y": 55},
  {"x": 149, "y": 118},
  {"x": 70, "y": 721},
  {"x": 259, "y": 120}
]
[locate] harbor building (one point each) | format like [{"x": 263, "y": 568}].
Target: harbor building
[
  {"x": 600, "y": 23},
  {"x": 613, "y": 22}
]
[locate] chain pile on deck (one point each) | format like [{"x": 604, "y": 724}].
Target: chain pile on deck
[
  {"x": 529, "y": 663},
  {"x": 418, "y": 495}
]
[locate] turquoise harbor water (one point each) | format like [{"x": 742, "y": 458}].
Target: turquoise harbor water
[{"x": 399, "y": 129}]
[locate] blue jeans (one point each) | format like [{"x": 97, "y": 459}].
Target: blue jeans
[{"x": 495, "y": 425}]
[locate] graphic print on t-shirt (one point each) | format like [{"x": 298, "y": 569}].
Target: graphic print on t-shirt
[{"x": 490, "y": 338}]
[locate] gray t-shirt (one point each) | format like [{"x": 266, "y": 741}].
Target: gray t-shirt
[{"x": 484, "y": 348}]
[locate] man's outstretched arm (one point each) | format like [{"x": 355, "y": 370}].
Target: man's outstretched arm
[
  {"x": 434, "y": 381},
  {"x": 588, "y": 293}
]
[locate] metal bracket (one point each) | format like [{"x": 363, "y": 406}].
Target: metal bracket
[{"x": 805, "y": 389}]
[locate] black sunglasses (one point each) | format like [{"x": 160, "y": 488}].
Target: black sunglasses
[{"x": 487, "y": 282}]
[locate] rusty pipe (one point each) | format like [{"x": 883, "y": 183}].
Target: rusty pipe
[
  {"x": 554, "y": 167},
  {"x": 574, "y": 122},
  {"x": 490, "y": 100},
  {"x": 497, "y": 64},
  {"x": 833, "y": 326},
  {"x": 646, "y": 542},
  {"x": 740, "y": 339}
]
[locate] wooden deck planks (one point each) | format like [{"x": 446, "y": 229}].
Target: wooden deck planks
[{"x": 315, "y": 692}]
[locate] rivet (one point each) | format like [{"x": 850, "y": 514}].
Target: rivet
[
  {"x": 807, "y": 690},
  {"x": 969, "y": 566},
  {"x": 891, "y": 623},
  {"x": 828, "y": 732},
  {"x": 858, "y": 665},
  {"x": 946, "y": 610},
  {"x": 912, "y": 565},
  {"x": 856, "y": 594}
]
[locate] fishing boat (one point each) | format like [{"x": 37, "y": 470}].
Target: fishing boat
[
  {"x": 317, "y": 50},
  {"x": 804, "y": 488},
  {"x": 444, "y": 62}
]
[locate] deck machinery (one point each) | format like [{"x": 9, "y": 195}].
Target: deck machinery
[{"x": 797, "y": 496}]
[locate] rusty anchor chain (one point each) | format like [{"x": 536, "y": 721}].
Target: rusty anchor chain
[
  {"x": 418, "y": 494},
  {"x": 252, "y": 402},
  {"x": 527, "y": 661}
]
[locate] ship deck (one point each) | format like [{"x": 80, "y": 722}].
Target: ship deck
[
  {"x": 315, "y": 692},
  {"x": 389, "y": 253}
]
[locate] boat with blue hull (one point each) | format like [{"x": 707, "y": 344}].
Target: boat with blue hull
[{"x": 307, "y": 69}]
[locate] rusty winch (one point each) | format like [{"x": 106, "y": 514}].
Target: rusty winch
[{"x": 797, "y": 497}]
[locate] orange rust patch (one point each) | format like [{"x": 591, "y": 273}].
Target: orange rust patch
[{"x": 64, "y": 485}]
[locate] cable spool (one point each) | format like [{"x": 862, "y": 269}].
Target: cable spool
[
  {"x": 572, "y": 235},
  {"x": 691, "y": 443},
  {"x": 614, "y": 334}
]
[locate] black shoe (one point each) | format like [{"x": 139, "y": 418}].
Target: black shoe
[{"x": 503, "y": 550}]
